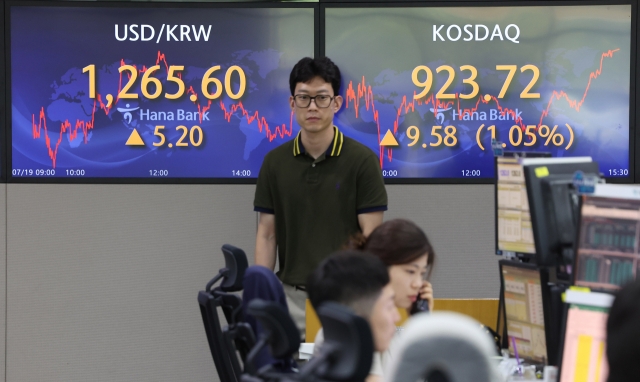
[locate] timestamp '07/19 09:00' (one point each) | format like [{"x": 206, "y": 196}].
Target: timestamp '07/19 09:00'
[{"x": 33, "y": 172}]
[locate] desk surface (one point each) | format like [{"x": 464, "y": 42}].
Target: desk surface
[
  {"x": 506, "y": 366},
  {"x": 483, "y": 310}
]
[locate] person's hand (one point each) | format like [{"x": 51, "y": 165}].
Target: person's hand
[{"x": 426, "y": 293}]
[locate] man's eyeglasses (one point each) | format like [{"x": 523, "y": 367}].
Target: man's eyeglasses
[{"x": 322, "y": 100}]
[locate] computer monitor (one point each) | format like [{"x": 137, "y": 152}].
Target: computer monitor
[
  {"x": 524, "y": 307},
  {"x": 608, "y": 253},
  {"x": 553, "y": 205},
  {"x": 583, "y": 349},
  {"x": 513, "y": 221}
]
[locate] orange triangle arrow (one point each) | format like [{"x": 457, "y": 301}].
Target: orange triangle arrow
[
  {"x": 389, "y": 140},
  {"x": 134, "y": 139}
]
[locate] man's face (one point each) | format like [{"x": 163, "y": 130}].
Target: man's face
[
  {"x": 314, "y": 119},
  {"x": 383, "y": 319}
]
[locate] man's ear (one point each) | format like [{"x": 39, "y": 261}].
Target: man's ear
[
  {"x": 337, "y": 101},
  {"x": 291, "y": 102}
]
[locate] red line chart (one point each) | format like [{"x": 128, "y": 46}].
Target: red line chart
[
  {"x": 39, "y": 127},
  {"x": 363, "y": 92}
]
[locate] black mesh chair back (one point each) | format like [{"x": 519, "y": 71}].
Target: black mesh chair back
[
  {"x": 212, "y": 300},
  {"x": 213, "y": 328},
  {"x": 238, "y": 340},
  {"x": 279, "y": 332},
  {"x": 347, "y": 351},
  {"x": 230, "y": 304}
]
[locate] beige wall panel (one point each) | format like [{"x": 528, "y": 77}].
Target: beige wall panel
[
  {"x": 459, "y": 221},
  {"x": 103, "y": 279}
]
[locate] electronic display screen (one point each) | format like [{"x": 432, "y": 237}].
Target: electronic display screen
[
  {"x": 583, "y": 356},
  {"x": 427, "y": 88},
  {"x": 524, "y": 312},
  {"x": 608, "y": 255},
  {"x": 151, "y": 91},
  {"x": 515, "y": 233}
]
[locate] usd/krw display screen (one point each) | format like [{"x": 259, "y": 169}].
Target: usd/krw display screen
[
  {"x": 428, "y": 88},
  {"x": 141, "y": 92}
]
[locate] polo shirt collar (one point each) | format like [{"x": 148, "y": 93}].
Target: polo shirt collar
[{"x": 334, "y": 150}]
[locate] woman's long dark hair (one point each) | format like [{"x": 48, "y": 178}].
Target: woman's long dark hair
[{"x": 396, "y": 242}]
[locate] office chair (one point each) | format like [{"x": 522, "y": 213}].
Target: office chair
[
  {"x": 278, "y": 332},
  {"x": 211, "y": 299},
  {"x": 347, "y": 351},
  {"x": 261, "y": 283},
  {"x": 233, "y": 280},
  {"x": 444, "y": 347}
]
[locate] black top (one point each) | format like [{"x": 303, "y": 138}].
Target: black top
[{"x": 316, "y": 202}]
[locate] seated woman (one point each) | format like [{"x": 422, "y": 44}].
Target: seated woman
[
  {"x": 404, "y": 248},
  {"x": 406, "y": 251},
  {"x": 408, "y": 255}
]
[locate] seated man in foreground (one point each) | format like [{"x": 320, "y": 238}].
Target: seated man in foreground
[{"x": 361, "y": 282}]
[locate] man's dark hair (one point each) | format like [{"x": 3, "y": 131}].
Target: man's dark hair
[
  {"x": 351, "y": 278},
  {"x": 623, "y": 335},
  {"x": 308, "y": 68}
]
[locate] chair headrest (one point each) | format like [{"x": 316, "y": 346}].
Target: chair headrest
[
  {"x": 348, "y": 339},
  {"x": 236, "y": 263},
  {"x": 446, "y": 343},
  {"x": 279, "y": 330}
]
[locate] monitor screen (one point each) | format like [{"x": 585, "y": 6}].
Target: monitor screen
[
  {"x": 152, "y": 91},
  {"x": 514, "y": 232},
  {"x": 608, "y": 255},
  {"x": 427, "y": 87},
  {"x": 522, "y": 288},
  {"x": 583, "y": 354},
  {"x": 550, "y": 215}
]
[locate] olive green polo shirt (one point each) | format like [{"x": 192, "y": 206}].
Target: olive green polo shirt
[{"x": 316, "y": 203}]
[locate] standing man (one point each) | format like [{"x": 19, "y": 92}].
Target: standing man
[{"x": 316, "y": 190}]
